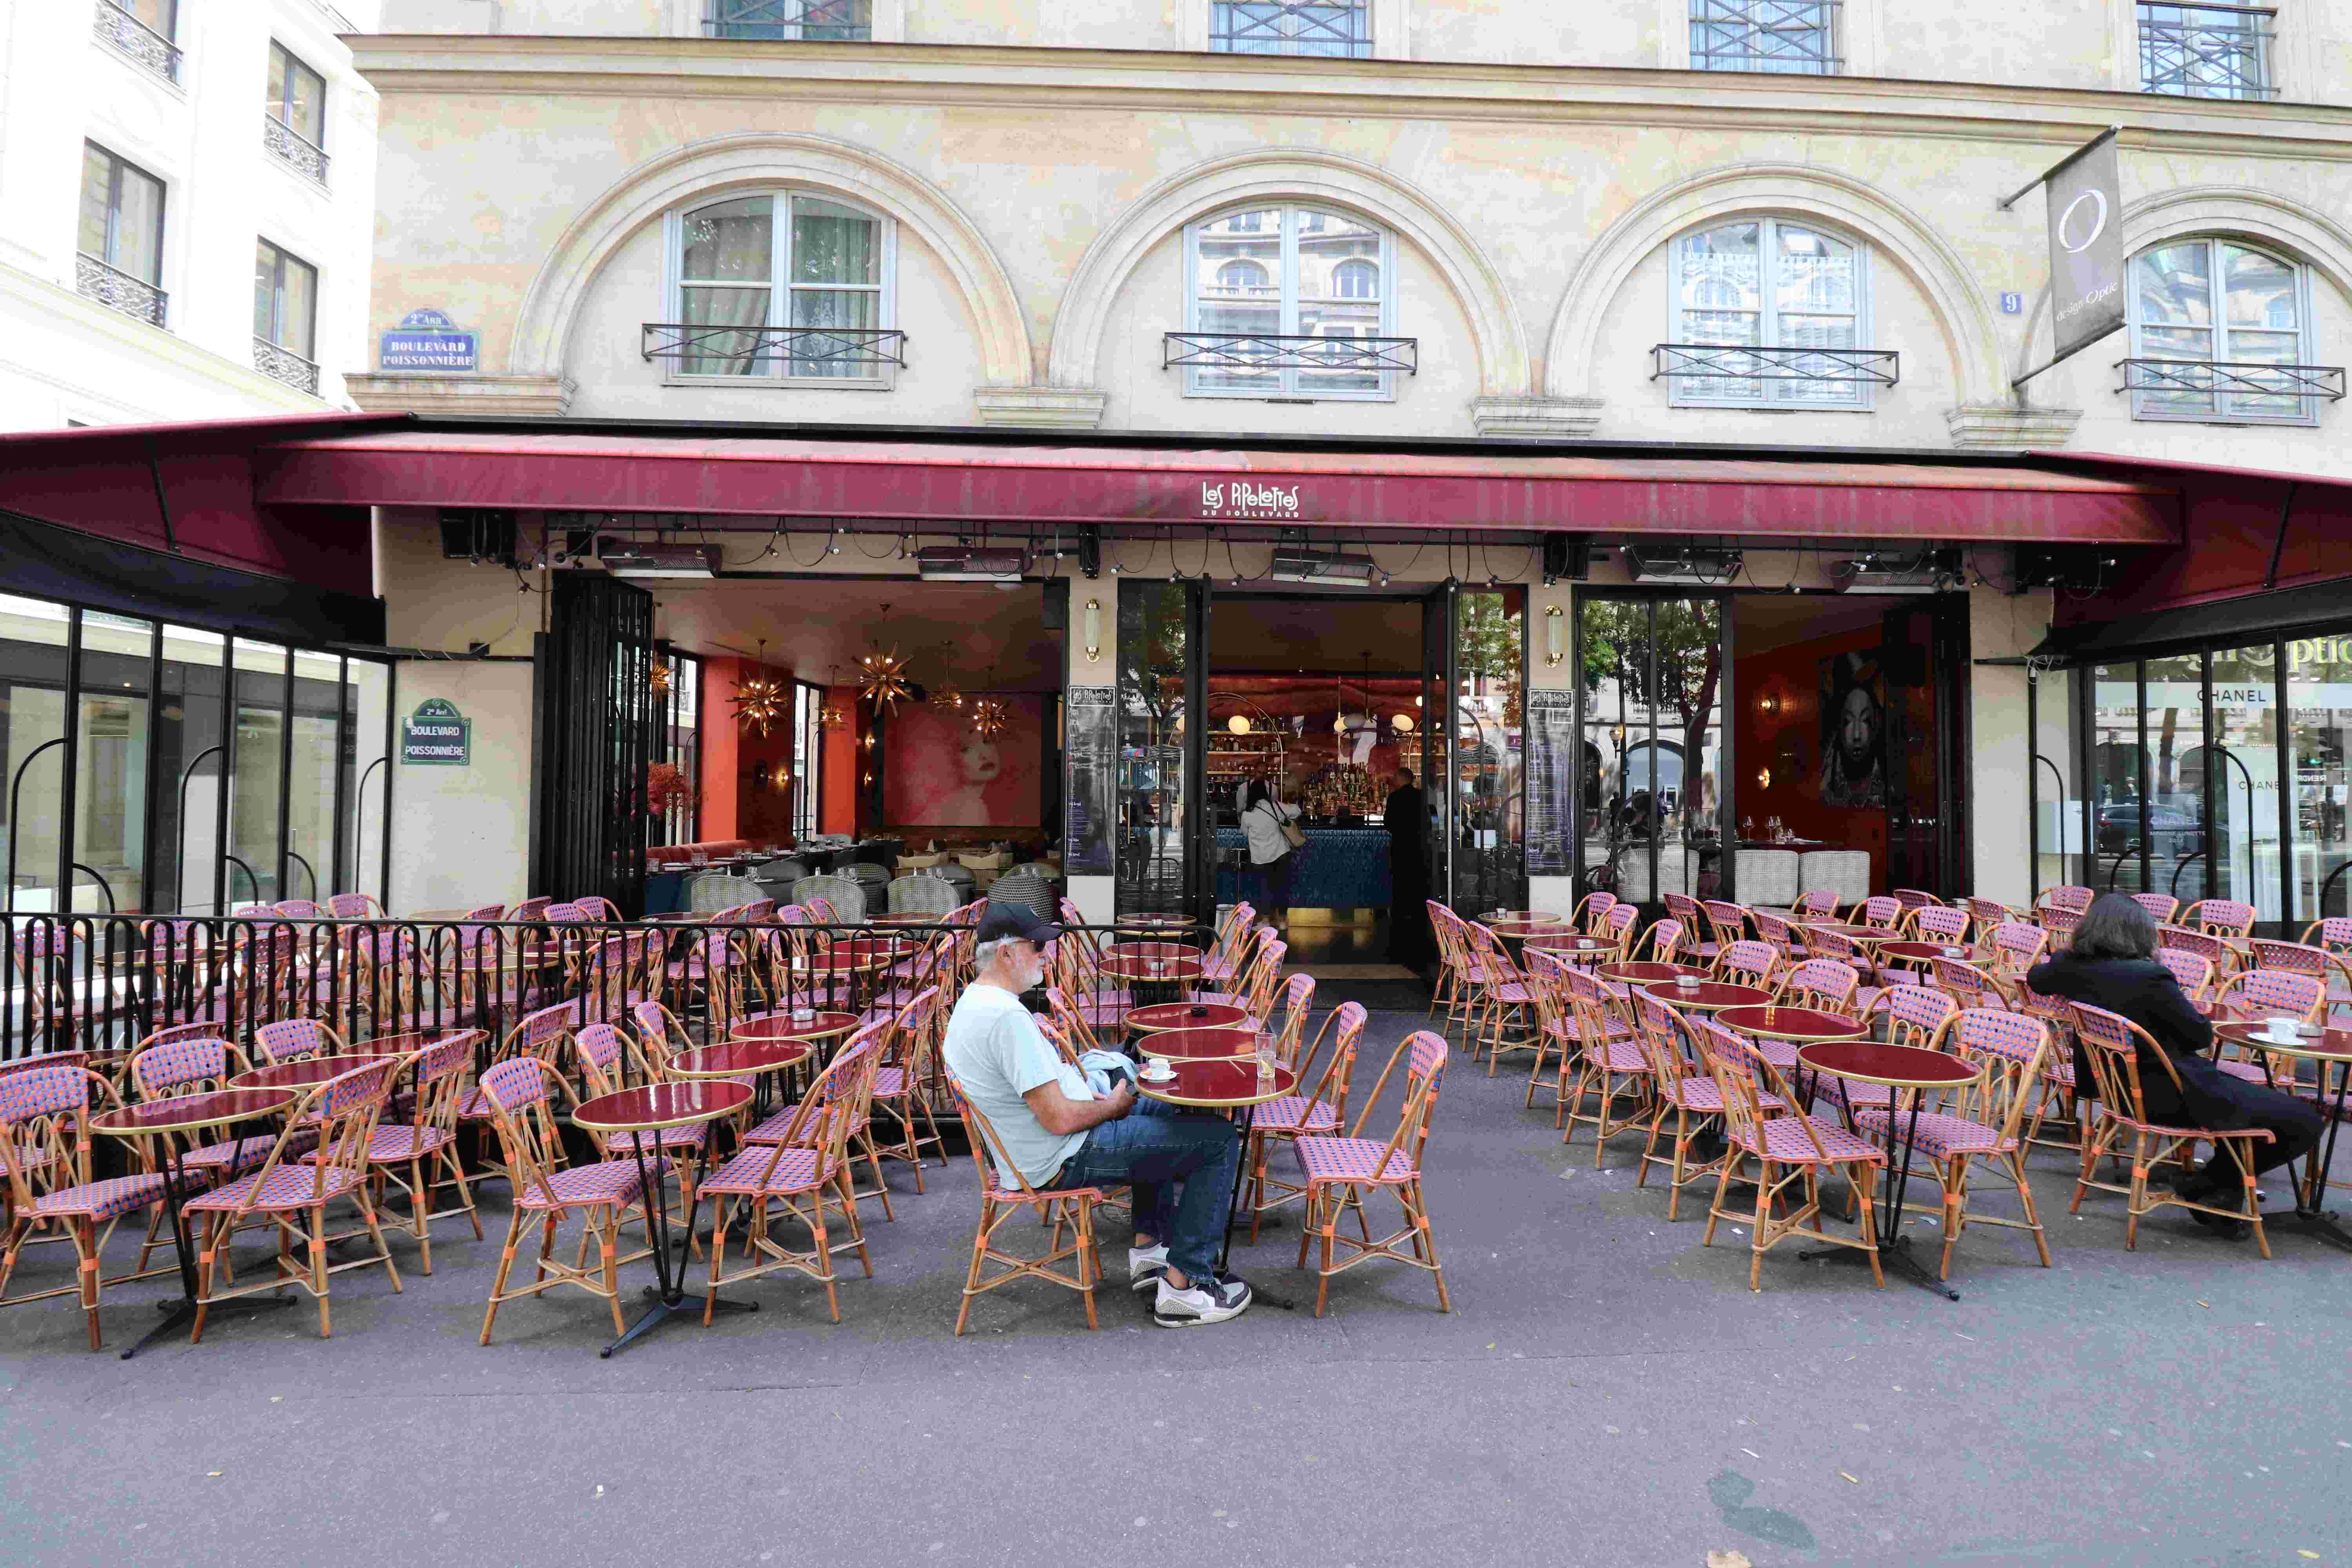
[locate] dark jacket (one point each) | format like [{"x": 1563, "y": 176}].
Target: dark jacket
[{"x": 2144, "y": 990}]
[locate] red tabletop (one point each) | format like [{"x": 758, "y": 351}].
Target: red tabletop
[
  {"x": 657, "y": 1105},
  {"x": 1520, "y": 931},
  {"x": 1520, "y": 917},
  {"x": 1855, "y": 933},
  {"x": 1648, "y": 968},
  {"x": 1898, "y": 1067},
  {"x": 1552, "y": 940},
  {"x": 906, "y": 919},
  {"x": 1921, "y": 952},
  {"x": 2326, "y": 1043},
  {"x": 769, "y": 1027},
  {"x": 192, "y": 1110},
  {"x": 872, "y": 950},
  {"x": 1199, "y": 1043},
  {"x": 303, "y": 1074},
  {"x": 1130, "y": 950},
  {"x": 1172, "y": 971},
  {"x": 1187, "y": 1015},
  {"x": 1708, "y": 995},
  {"x": 1223, "y": 1083},
  {"x": 831, "y": 961},
  {"x": 736, "y": 1058},
  {"x": 1774, "y": 1023},
  {"x": 401, "y": 1045}
]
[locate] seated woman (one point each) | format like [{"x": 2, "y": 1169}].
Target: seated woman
[{"x": 2111, "y": 963}]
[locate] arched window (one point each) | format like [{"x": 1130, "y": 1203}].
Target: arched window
[
  {"x": 1770, "y": 283},
  {"x": 784, "y": 284},
  {"x": 1318, "y": 276},
  {"x": 2210, "y": 319}
]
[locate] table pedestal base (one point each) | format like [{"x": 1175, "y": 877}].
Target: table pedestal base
[
  {"x": 2321, "y": 1223},
  {"x": 661, "y": 1309},
  {"x": 1894, "y": 1256},
  {"x": 180, "y": 1311}
]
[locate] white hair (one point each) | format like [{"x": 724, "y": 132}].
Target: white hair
[{"x": 985, "y": 953}]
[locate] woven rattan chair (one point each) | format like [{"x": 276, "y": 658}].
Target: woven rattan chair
[
  {"x": 908, "y": 1060},
  {"x": 45, "y": 1115},
  {"x": 426, "y": 1148},
  {"x": 2221, "y": 917},
  {"x": 1320, "y": 1111},
  {"x": 1749, "y": 962},
  {"x": 1662, "y": 943},
  {"x": 1587, "y": 915},
  {"x": 1815, "y": 903},
  {"x": 295, "y": 1040},
  {"x": 1070, "y": 1206},
  {"x": 1695, "y": 930},
  {"x": 2163, "y": 906},
  {"x": 1686, "y": 1091},
  {"x": 1611, "y": 1065},
  {"x": 1340, "y": 1171}
]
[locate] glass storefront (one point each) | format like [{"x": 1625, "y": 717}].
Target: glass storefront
[
  {"x": 1649, "y": 799},
  {"x": 1156, "y": 672},
  {"x": 1490, "y": 684},
  {"x": 205, "y": 773}
]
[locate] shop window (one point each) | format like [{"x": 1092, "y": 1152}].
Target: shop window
[
  {"x": 2206, "y": 51},
  {"x": 285, "y": 317},
  {"x": 786, "y": 286},
  {"x": 294, "y": 114},
  {"x": 1286, "y": 302},
  {"x": 824, "y": 21},
  {"x": 1767, "y": 312},
  {"x": 2221, "y": 332},
  {"x": 1787, "y": 37},
  {"x": 1338, "y": 30},
  {"x": 120, "y": 238}
]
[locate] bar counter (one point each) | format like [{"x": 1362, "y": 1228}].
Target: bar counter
[{"x": 1341, "y": 868}]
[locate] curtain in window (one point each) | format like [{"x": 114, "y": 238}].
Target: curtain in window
[
  {"x": 726, "y": 267},
  {"x": 836, "y": 278}
]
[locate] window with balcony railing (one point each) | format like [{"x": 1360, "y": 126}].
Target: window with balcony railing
[
  {"x": 1770, "y": 314},
  {"x": 833, "y": 21},
  {"x": 285, "y": 317},
  {"x": 1790, "y": 36},
  {"x": 1288, "y": 303},
  {"x": 1340, "y": 29},
  {"x": 2206, "y": 51},
  {"x": 120, "y": 236},
  {"x": 789, "y": 284},
  {"x": 294, "y": 114},
  {"x": 145, "y": 30},
  {"x": 2221, "y": 334}
]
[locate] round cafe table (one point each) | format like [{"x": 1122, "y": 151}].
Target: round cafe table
[
  {"x": 1867, "y": 935},
  {"x": 1184, "y": 1015},
  {"x": 1708, "y": 995},
  {"x": 188, "y": 1114},
  {"x": 1196, "y": 1045},
  {"x": 817, "y": 1027},
  {"x": 1551, "y": 939},
  {"x": 1790, "y": 1028},
  {"x": 2328, "y": 1047},
  {"x": 1640, "y": 971},
  {"x": 734, "y": 1060},
  {"x": 1918, "y": 955},
  {"x": 1154, "y": 967},
  {"x": 1228, "y": 1084},
  {"x": 1901, "y": 1069},
  {"x": 307, "y": 1073},
  {"x": 1521, "y": 916},
  {"x": 650, "y": 1110}
]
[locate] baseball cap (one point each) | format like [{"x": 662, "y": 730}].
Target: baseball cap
[{"x": 1010, "y": 919}]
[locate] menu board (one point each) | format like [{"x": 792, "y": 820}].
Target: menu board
[
  {"x": 1091, "y": 749},
  {"x": 1552, "y": 756}
]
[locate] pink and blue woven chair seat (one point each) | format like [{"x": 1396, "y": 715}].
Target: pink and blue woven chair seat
[
  {"x": 1940, "y": 1137},
  {"x": 1783, "y": 1142},
  {"x": 1219, "y": 998},
  {"x": 771, "y": 1132},
  {"x": 622, "y": 1145},
  {"x": 1622, "y": 1056},
  {"x": 1100, "y": 1015},
  {"x": 1512, "y": 993},
  {"x": 1701, "y": 1094},
  {"x": 1855, "y": 1096},
  {"x": 101, "y": 1201},
  {"x": 796, "y": 1172},
  {"x": 238, "y": 1155},
  {"x": 1294, "y": 1113},
  {"x": 890, "y": 1083},
  {"x": 580, "y": 1186},
  {"x": 1352, "y": 1160},
  {"x": 394, "y": 1142},
  {"x": 1781, "y": 1054},
  {"x": 287, "y": 1187},
  {"x": 2251, "y": 1072}
]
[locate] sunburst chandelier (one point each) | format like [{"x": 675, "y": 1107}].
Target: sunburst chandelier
[
  {"x": 882, "y": 676},
  {"x": 760, "y": 700},
  {"x": 989, "y": 715},
  {"x": 830, "y": 716},
  {"x": 659, "y": 678}
]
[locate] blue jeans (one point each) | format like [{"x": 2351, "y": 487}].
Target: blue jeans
[{"x": 1180, "y": 1164}]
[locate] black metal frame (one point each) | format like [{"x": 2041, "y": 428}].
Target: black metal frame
[
  {"x": 1251, "y": 352},
  {"x": 853, "y": 347},
  {"x": 1679, "y": 361},
  {"x": 295, "y": 62},
  {"x": 593, "y": 715},
  {"x": 1772, "y": 21},
  {"x": 1328, "y": 41},
  {"x": 715, "y": 21},
  {"x": 2173, "y": 78},
  {"x": 2224, "y": 378}
]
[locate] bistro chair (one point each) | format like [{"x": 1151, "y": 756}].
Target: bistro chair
[
  {"x": 45, "y": 1115},
  {"x": 1321, "y": 1111},
  {"x": 1726, "y": 922},
  {"x": 427, "y": 1147},
  {"x": 1969, "y": 985},
  {"x": 285, "y": 1194},
  {"x": 2194, "y": 971},
  {"x": 1884, "y": 912},
  {"x": 779, "y": 1125},
  {"x": 1823, "y": 983},
  {"x": 805, "y": 1173},
  {"x": 2291, "y": 957},
  {"x": 1791, "y": 1150},
  {"x": 2162, "y": 907},
  {"x": 1453, "y": 989},
  {"x": 1977, "y": 1122},
  {"x": 1340, "y": 1170},
  {"x": 1913, "y": 899},
  {"x": 1780, "y": 935},
  {"x": 2117, "y": 1049},
  {"x": 900, "y": 1074},
  {"x": 2074, "y": 900},
  {"x": 1749, "y": 962},
  {"x": 357, "y": 906},
  {"x": 1070, "y": 1206},
  {"x": 1690, "y": 1093},
  {"x": 2204, "y": 944},
  {"x": 295, "y": 1040},
  {"x": 517, "y": 1091},
  {"x": 1826, "y": 943},
  {"x": 1941, "y": 923},
  {"x": 185, "y": 1066},
  {"x": 2221, "y": 917},
  {"x": 1686, "y": 909},
  {"x": 1588, "y": 915},
  {"x": 1914, "y": 1016},
  {"x": 1611, "y": 1065},
  {"x": 2017, "y": 948},
  {"x": 2271, "y": 993},
  {"x": 1617, "y": 926},
  {"x": 1298, "y": 1001},
  {"x": 541, "y": 1035},
  {"x": 660, "y": 1034},
  {"x": 1815, "y": 903},
  {"x": 1661, "y": 944},
  {"x": 1505, "y": 999},
  {"x": 1987, "y": 913}
]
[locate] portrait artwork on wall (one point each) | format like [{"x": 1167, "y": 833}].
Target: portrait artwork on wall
[
  {"x": 1853, "y": 730},
  {"x": 942, "y": 773}
]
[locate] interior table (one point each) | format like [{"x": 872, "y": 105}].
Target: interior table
[
  {"x": 1904, "y": 1070},
  {"x": 1185, "y": 1016},
  {"x": 1228, "y": 1084},
  {"x": 1199, "y": 1044},
  {"x": 650, "y": 1110},
  {"x": 2328, "y": 1048},
  {"x": 169, "y": 1118}
]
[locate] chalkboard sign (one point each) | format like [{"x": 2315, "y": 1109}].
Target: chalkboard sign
[
  {"x": 1090, "y": 820},
  {"x": 1552, "y": 756},
  {"x": 436, "y": 735}
]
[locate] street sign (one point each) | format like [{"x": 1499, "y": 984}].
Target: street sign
[{"x": 436, "y": 735}]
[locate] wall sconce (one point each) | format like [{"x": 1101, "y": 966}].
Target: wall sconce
[
  {"x": 1554, "y": 632},
  {"x": 1094, "y": 630},
  {"x": 1239, "y": 725},
  {"x": 869, "y": 780},
  {"x": 1768, "y": 704},
  {"x": 1763, "y": 778},
  {"x": 868, "y": 742}
]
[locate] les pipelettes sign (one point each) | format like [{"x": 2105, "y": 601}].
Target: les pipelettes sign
[{"x": 1244, "y": 499}]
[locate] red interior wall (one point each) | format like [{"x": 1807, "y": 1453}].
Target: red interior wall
[
  {"x": 722, "y": 809},
  {"x": 1788, "y": 740},
  {"x": 840, "y": 801}
]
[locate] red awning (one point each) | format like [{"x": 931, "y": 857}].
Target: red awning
[{"x": 942, "y": 482}]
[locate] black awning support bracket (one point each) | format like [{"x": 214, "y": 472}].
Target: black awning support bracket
[
  {"x": 163, "y": 507},
  {"x": 2278, "y": 545}
]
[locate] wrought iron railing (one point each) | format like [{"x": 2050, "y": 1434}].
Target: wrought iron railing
[
  {"x": 1876, "y": 367},
  {"x": 2207, "y": 378},
  {"x": 858, "y": 351},
  {"x": 1795, "y": 37},
  {"x": 113, "y": 25},
  {"x": 1340, "y": 29},
  {"x": 293, "y": 147},
  {"x": 1247, "y": 352},
  {"x": 837, "y": 21},
  {"x": 2206, "y": 51},
  {"x": 111, "y": 285},
  {"x": 280, "y": 364}
]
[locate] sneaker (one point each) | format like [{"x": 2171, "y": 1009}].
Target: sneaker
[
  {"x": 1174, "y": 1309},
  {"x": 1145, "y": 1264}
]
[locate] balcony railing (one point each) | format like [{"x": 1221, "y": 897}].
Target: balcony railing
[
  {"x": 284, "y": 364},
  {"x": 305, "y": 155},
  {"x": 1877, "y": 367},
  {"x": 835, "y": 21},
  {"x": 1331, "y": 29},
  {"x": 847, "y": 351},
  {"x": 113, "y": 25},
  {"x": 1288, "y": 350},
  {"x": 2241, "y": 378},
  {"x": 2206, "y": 51},
  {"x": 111, "y": 285},
  {"x": 1797, "y": 37}
]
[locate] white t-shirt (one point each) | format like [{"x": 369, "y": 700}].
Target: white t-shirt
[
  {"x": 998, "y": 1055},
  {"x": 1262, "y": 824}
]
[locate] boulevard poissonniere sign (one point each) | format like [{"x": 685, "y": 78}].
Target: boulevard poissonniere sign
[{"x": 436, "y": 735}]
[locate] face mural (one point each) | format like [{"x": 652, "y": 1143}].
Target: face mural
[
  {"x": 1852, "y": 731},
  {"x": 941, "y": 773}
]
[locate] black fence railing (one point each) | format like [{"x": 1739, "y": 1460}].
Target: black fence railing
[{"x": 1877, "y": 367}]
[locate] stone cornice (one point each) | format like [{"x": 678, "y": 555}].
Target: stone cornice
[{"x": 408, "y": 65}]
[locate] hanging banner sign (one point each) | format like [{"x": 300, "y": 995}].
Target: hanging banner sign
[
  {"x": 2086, "y": 247},
  {"x": 436, "y": 735}
]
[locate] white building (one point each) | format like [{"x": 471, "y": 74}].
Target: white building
[{"x": 190, "y": 192}]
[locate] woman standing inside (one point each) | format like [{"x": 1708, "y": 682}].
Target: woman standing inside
[{"x": 1266, "y": 822}]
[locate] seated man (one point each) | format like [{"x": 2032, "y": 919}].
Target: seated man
[{"x": 1060, "y": 1134}]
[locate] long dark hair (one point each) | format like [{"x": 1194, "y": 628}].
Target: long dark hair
[
  {"x": 2115, "y": 926},
  {"x": 1254, "y": 795}
]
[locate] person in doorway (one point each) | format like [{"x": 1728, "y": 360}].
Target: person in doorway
[
  {"x": 1262, "y": 818},
  {"x": 2111, "y": 963},
  {"x": 1406, "y": 817},
  {"x": 1057, "y": 1131}
]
